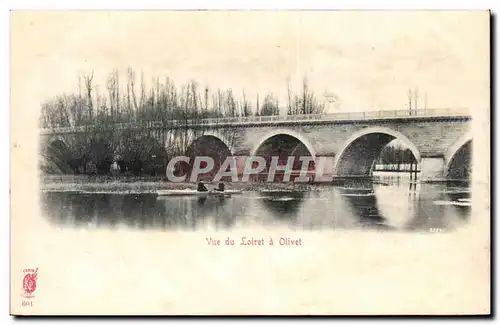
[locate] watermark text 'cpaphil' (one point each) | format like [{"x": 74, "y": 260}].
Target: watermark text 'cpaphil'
[{"x": 253, "y": 165}]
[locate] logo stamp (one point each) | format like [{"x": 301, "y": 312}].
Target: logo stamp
[{"x": 29, "y": 282}]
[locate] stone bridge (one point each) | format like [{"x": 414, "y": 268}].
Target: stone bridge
[{"x": 345, "y": 144}]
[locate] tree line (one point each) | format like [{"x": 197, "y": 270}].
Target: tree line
[
  {"x": 126, "y": 101},
  {"x": 99, "y": 148},
  {"x": 395, "y": 155}
]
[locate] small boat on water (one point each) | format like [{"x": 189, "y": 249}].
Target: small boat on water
[{"x": 191, "y": 192}]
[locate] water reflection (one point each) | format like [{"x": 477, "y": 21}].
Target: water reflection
[
  {"x": 388, "y": 203},
  {"x": 363, "y": 203},
  {"x": 283, "y": 204}
]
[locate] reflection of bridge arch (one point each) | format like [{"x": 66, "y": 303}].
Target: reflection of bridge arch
[
  {"x": 287, "y": 132},
  {"x": 460, "y": 147},
  {"x": 283, "y": 205},
  {"x": 357, "y": 154}
]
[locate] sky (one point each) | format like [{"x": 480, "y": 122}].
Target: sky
[{"x": 368, "y": 59}]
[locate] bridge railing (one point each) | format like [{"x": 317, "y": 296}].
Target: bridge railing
[{"x": 369, "y": 115}]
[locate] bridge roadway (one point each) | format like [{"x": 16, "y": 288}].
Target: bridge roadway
[
  {"x": 282, "y": 119},
  {"x": 349, "y": 141}
]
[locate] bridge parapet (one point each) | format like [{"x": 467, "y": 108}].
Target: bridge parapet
[
  {"x": 280, "y": 119},
  {"x": 348, "y": 116}
]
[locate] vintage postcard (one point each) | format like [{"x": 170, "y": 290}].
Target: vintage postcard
[{"x": 250, "y": 162}]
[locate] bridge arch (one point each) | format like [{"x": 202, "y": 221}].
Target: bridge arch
[
  {"x": 55, "y": 139},
  {"x": 284, "y": 148},
  {"x": 56, "y": 156},
  {"x": 461, "y": 147},
  {"x": 286, "y": 132},
  {"x": 455, "y": 147},
  {"x": 357, "y": 154},
  {"x": 219, "y": 136},
  {"x": 209, "y": 144}
]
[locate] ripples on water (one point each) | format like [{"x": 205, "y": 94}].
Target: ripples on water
[{"x": 388, "y": 203}]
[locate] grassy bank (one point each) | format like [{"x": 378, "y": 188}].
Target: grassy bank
[{"x": 146, "y": 185}]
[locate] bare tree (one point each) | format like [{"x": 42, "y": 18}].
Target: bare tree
[
  {"x": 257, "y": 111},
  {"x": 88, "y": 79},
  {"x": 112, "y": 85},
  {"x": 246, "y": 107},
  {"x": 270, "y": 106},
  {"x": 305, "y": 102}
]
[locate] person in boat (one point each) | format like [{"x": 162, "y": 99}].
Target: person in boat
[
  {"x": 202, "y": 187},
  {"x": 220, "y": 188}
]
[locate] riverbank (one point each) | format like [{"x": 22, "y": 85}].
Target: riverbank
[
  {"x": 147, "y": 185},
  {"x": 79, "y": 183}
]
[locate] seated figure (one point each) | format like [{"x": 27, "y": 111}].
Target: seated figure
[
  {"x": 220, "y": 188},
  {"x": 202, "y": 187}
]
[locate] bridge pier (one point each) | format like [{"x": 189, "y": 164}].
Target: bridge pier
[
  {"x": 324, "y": 168},
  {"x": 240, "y": 164},
  {"x": 432, "y": 169}
]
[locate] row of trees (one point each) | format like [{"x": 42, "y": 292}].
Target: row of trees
[
  {"x": 163, "y": 101},
  {"x": 100, "y": 148},
  {"x": 391, "y": 154}
]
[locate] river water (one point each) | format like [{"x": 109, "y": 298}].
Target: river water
[{"x": 391, "y": 202}]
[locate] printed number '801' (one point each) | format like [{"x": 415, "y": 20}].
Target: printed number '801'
[{"x": 27, "y": 303}]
